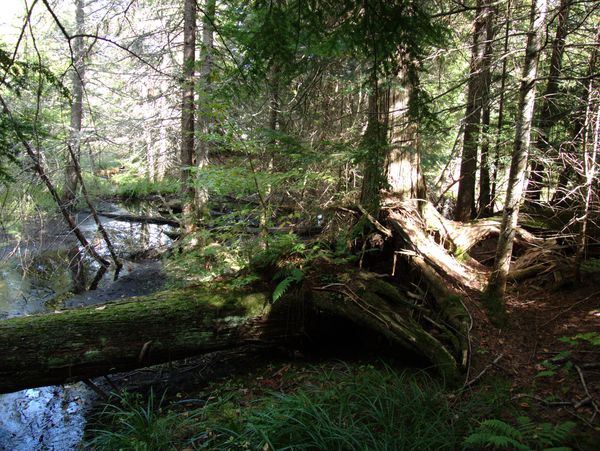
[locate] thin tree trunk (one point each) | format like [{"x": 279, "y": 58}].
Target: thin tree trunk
[
  {"x": 485, "y": 201},
  {"x": 37, "y": 166},
  {"x": 498, "y": 145},
  {"x": 579, "y": 129},
  {"x": 77, "y": 82},
  {"x": 589, "y": 164},
  {"x": 89, "y": 203},
  {"x": 187, "y": 108},
  {"x": 205, "y": 117},
  {"x": 465, "y": 202},
  {"x": 497, "y": 284},
  {"x": 274, "y": 107},
  {"x": 590, "y": 127},
  {"x": 547, "y": 116}
]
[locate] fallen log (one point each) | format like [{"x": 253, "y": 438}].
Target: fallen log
[
  {"x": 83, "y": 343},
  {"x": 140, "y": 219}
]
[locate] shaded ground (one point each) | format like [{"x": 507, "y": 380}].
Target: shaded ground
[{"x": 551, "y": 379}]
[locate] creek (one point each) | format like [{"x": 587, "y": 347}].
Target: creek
[{"x": 44, "y": 270}]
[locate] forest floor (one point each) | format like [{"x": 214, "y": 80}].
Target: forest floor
[{"x": 550, "y": 351}]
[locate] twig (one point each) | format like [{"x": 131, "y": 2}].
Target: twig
[
  {"x": 480, "y": 375},
  {"x": 542, "y": 400},
  {"x": 587, "y": 392},
  {"x": 96, "y": 389},
  {"x": 387, "y": 232},
  {"x": 571, "y": 307}
]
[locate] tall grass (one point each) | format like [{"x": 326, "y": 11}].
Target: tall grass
[
  {"x": 129, "y": 422},
  {"x": 348, "y": 409},
  {"x": 344, "y": 407}
]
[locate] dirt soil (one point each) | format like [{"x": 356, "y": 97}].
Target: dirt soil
[{"x": 552, "y": 380}]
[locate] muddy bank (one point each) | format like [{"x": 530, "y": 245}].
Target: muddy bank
[{"x": 140, "y": 279}]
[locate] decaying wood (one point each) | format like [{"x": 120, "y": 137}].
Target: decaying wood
[
  {"x": 89, "y": 342},
  {"x": 421, "y": 327},
  {"x": 444, "y": 246}
]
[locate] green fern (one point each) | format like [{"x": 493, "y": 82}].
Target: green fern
[
  {"x": 295, "y": 276},
  {"x": 487, "y": 439},
  {"x": 526, "y": 435}
]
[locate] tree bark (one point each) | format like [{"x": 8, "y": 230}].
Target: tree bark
[
  {"x": 187, "y": 106},
  {"x": 404, "y": 175},
  {"x": 465, "y": 202},
  {"x": 205, "y": 118},
  {"x": 498, "y": 145},
  {"x": 485, "y": 199},
  {"x": 77, "y": 83},
  {"x": 547, "y": 116},
  {"x": 497, "y": 284},
  {"x": 88, "y": 342},
  {"x": 374, "y": 142}
]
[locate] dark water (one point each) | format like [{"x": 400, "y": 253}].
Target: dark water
[{"x": 38, "y": 274}]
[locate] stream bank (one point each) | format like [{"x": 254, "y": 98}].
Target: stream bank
[{"x": 41, "y": 268}]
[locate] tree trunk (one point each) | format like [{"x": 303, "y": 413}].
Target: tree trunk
[
  {"x": 374, "y": 143},
  {"x": 498, "y": 145},
  {"x": 580, "y": 125},
  {"x": 485, "y": 200},
  {"x": 404, "y": 174},
  {"x": 77, "y": 82},
  {"x": 88, "y": 342},
  {"x": 465, "y": 202},
  {"x": 187, "y": 107},
  {"x": 591, "y": 136},
  {"x": 205, "y": 119},
  {"x": 497, "y": 283},
  {"x": 547, "y": 116}
]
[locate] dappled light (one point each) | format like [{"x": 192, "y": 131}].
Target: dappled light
[{"x": 239, "y": 224}]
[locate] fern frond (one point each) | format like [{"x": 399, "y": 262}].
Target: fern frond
[
  {"x": 500, "y": 427},
  {"x": 281, "y": 288}
]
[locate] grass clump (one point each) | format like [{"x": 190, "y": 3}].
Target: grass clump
[{"x": 129, "y": 422}]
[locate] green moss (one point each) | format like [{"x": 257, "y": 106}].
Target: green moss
[
  {"x": 91, "y": 355},
  {"x": 494, "y": 305}
]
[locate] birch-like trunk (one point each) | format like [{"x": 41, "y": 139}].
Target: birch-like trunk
[{"x": 497, "y": 284}]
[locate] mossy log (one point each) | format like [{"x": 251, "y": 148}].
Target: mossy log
[
  {"x": 408, "y": 322},
  {"x": 83, "y": 343},
  {"x": 88, "y": 342}
]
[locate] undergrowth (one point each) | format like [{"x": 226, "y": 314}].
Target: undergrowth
[{"x": 332, "y": 406}]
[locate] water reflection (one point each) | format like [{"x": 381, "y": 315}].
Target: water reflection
[
  {"x": 34, "y": 278},
  {"x": 47, "y": 418}
]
